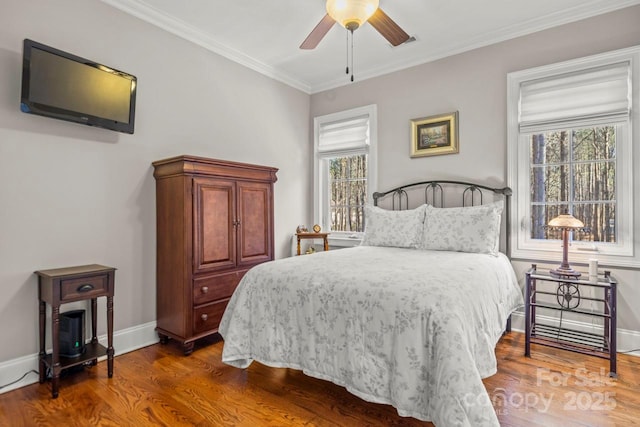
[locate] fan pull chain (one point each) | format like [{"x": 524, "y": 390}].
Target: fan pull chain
[
  {"x": 347, "y": 71},
  {"x": 350, "y": 62},
  {"x": 352, "y": 54}
]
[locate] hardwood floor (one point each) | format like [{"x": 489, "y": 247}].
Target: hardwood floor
[{"x": 157, "y": 385}]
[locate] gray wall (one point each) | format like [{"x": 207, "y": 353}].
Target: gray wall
[
  {"x": 73, "y": 195},
  {"x": 474, "y": 83}
]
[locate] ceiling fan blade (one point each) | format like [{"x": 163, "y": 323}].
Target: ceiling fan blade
[
  {"x": 318, "y": 33},
  {"x": 388, "y": 28}
]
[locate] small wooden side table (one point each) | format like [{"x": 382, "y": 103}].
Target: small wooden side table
[
  {"x": 62, "y": 285},
  {"x": 322, "y": 236}
]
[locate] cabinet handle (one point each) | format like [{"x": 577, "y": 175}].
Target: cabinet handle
[
  {"x": 205, "y": 289},
  {"x": 85, "y": 288},
  {"x": 204, "y": 317}
]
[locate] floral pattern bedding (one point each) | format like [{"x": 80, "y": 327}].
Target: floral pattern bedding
[{"x": 412, "y": 328}]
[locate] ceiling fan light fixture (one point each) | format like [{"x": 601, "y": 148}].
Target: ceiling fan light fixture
[{"x": 351, "y": 14}]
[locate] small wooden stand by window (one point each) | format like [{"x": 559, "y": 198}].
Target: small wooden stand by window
[{"x": 322, "y": 236}]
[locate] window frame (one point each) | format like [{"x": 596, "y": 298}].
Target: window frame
[
  {"x": 625, "y": 252},
  {"x": 321, "y": 206}
]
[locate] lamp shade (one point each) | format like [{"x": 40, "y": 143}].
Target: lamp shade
[
  {"x": 566, "y": 220},
  {"x": 351, "y": 13}
]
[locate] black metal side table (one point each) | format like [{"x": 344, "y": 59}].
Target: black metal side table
[{"x": 568, "y": 295}]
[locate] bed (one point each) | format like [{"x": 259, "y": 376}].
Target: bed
[{"x": 411, "y": 317}]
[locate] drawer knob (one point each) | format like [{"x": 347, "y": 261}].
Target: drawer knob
[
  {"x": 85, "y": 288},
  {"x": 205, "y": 289},
  {"x": 204, "y": 317}
]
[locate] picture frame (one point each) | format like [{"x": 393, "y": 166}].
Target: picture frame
[{"x": 435, "y": 135}]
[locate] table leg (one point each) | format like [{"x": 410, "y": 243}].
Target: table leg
[
  {"x": 298, "y": 244},
  {"x": 613, "y": 340},
  {"x": 326, "y": 243},
  {"x": 55, "y": 356},
  {"x": 94, "y": 326},
  {"x": 42, "y": 367},
  {"x": 110, "y": 351},
  {"x": 527, "y": 316},
  {"x": 94, "y": 320}
]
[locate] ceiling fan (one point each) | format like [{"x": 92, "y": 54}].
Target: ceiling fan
[{"x": 352, "y": 14}]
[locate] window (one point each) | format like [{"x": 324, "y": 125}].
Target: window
[
  {"x": 345, "y": 160},
  {"x": 574, "y": 170},
  {"x": 347, "y": 192},
  {"x": 571, "y": 130}
]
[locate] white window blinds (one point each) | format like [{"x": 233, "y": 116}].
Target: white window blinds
[
  {"x": 340, "y": 135},
  {"x": 594, "y": 95}
]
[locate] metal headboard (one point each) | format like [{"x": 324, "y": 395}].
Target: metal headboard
[{"x": 434, "y": 194}]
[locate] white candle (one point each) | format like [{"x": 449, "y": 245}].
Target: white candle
[{"x": 593, "y": 267}]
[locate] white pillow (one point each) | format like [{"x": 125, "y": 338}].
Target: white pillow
[
  {"x": 400, "y": 229},
  {"x": 468, "y": 229}
]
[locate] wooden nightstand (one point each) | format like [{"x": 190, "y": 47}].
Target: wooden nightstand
[
  {"x": 322, "y": 236},
  {"x": 62, "y": 285}
]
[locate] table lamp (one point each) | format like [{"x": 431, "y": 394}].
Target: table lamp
[{"x": 565, "y": 222}]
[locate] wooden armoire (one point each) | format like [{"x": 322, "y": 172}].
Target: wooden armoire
[{"x": 214, "y": 222}]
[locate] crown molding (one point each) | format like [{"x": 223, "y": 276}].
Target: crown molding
[{"x": 148, "y": 13}]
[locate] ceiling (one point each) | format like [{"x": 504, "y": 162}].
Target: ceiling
[{"x": 266, "y": 35}]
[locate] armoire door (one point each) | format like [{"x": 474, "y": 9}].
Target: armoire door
[
  {"x": 255, "y": 222},
  {"x": 214, "y": 220}
]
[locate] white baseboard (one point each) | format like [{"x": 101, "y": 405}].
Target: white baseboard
[
  {"x": 124, "y": 341},
  {"x": 627, "y": 339}
]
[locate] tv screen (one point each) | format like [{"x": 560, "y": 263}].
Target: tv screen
[{"x": 64, "y": 86}]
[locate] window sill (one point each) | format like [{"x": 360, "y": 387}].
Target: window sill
[
  {"x": 344, "y": 240},
  {"x": 576, "y": 257}
]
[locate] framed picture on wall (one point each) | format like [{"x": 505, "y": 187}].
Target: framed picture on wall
[{"x": 435, "y": 135}]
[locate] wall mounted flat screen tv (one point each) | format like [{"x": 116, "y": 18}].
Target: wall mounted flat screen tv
[{"x": 64, "y": 86}]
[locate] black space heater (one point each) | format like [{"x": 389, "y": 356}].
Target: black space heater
[{"x": 71, "y": 333}]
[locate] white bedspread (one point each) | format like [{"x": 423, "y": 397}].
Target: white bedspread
[{"x": 414, "y": 329}]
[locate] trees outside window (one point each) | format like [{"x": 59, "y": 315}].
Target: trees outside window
[
  {"x": 347, "y": 192},
  {"x": 574, "y": 170}
]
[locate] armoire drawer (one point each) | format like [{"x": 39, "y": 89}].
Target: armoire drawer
[
  {"x": 207, "y": 317},
  {"x": 211, "y": 288}
]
